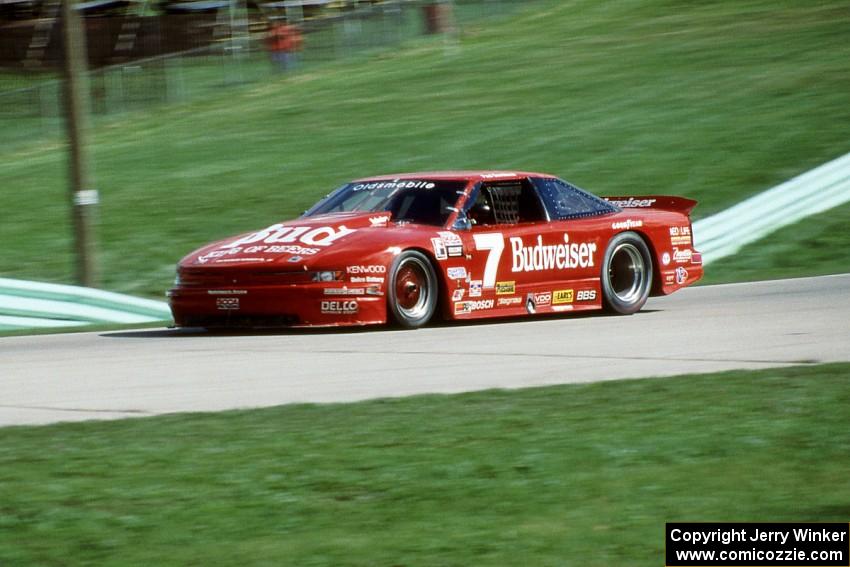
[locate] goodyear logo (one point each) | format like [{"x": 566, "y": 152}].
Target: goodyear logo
[
  {"x": 505, "y": 288},
  {"x": 563, "y": 296}
]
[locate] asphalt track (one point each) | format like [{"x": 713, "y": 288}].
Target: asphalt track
[{"x": 74, "y": 377}]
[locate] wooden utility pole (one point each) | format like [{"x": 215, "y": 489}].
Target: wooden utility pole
[{"x": 84, "y": 197}]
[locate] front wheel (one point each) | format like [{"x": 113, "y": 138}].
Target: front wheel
[
  {"x": 626, "y": 274},
  {"x": 413, "y": 289}
]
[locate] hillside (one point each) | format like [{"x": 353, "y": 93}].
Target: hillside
[{"x": 715, "y": 102}]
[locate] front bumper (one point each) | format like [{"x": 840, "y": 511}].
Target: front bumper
[{"x": 304, "y": 305}]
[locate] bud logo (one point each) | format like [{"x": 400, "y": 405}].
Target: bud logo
[
  {"x": 339, "y": 307},
  {"x": 586, "y": 295},
  {"x": 505, "y": 288},
  {"x": 627, "y": 224},
  {"x": 374, "y": 269},
  {"x": 562, "y": 296},
  {"x": 541, "y": 256},
  {"x": 470, "y": 306},
  {"x": 278, "y": 233}
]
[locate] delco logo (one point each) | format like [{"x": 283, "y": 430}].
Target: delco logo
[
  {"x": 566, "y": 256},
  {"x": 339, "y": 307},
  {"x": 562, "y": 296},
  {"x": 278, "y": 233},
  {"x": 470, "y": 306},
  {"x": 373, "y": 269}
]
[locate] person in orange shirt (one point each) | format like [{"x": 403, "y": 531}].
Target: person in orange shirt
[{"x": 284, "y": 42}]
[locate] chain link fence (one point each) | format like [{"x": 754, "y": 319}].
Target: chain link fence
[{"x": 31, "y": 103}]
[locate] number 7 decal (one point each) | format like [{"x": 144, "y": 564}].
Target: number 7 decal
[{"x": 495, "y": 243}]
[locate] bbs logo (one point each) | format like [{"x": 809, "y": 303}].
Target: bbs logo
[{"x": 586, "y": 295}]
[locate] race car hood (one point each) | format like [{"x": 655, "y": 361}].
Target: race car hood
[{"x": 292, "y": 241}]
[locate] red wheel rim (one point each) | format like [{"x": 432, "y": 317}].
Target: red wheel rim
[{"x": 408, "y": 286}]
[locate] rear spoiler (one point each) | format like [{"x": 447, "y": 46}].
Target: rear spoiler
[{"x": 679, "y": 204}]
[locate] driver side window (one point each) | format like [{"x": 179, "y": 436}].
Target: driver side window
[{"x": 506, "y": 202}]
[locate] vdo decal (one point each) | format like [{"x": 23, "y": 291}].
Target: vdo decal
[{"x": 536, "y": 257}]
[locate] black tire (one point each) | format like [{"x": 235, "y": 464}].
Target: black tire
[
  {"x": 413, "y": 289},
  {"x": 626, "y": 274}
]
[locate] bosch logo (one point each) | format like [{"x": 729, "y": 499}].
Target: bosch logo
[{"x": 374, "y": 269}]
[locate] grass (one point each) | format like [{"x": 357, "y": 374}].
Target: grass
[
  {"x": 815, "y": 246},
  {"x": 716, "y": 102},
  {"x": 569, "y": 475}
]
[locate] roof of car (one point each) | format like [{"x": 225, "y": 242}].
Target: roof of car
[{"x": 483, "y": 175}]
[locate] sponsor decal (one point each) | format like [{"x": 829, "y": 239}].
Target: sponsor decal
[
  {"x": 278, "y": 233},
  {"x": 227, "y": 291},
  {"x": 339, "y": 307},
  {"x": 505, "y": 288},
  {"x": 374, "y": 290},
  {"x": 669, "y": 278},
  {"x": 586, "y": 295},
  {"x": 681, "y": 275},
  {"x": 562, "y": 296},
  {"x": 371, "y": 269},
  {"x": 227, "y": 303},
  {"x": 631, "y": 203},
  {"x": 680, "y": 235},
  {"x": 367, "y": 279},
  {"x": 292, "y": 250},
  {"x": 562, "y": 307},
  {"x": 439, "y": 249},
  {"x": 394, "y": 185},
  {"x": 344, "y": 291},
  {"x": 498, "y": 175},
  {"x": 449, "y": 237},
  {"x": 516, "y": 300},
  {"x": 665, "y": 258},
  {"x": 627, "y": 224},
  {"x": 294, "y": 259},
  {"x": 539, "y": 256},
  {"x": 456, "y": 273},
  {"x": 682, "y": 256},
  {"x": 470, "y": 306},
  {"x": 475, "y": 287},
  {"x": 382, "y": 220},
  {"x": 454, "y": 250},
  {"x": 457, "y": 295},
  {"x": 544, "y": 298}
]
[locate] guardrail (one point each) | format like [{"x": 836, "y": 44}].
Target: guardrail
[
  {"x": 25, "y": 304},
  {"x": 813, "y": 192}
]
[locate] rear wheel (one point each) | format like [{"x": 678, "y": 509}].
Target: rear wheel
[
  {"x": 626, "y": 274},
  {"x": 413, "y": 288}
]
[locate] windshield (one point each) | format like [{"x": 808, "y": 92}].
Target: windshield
[{"x": 420, "y": 201}]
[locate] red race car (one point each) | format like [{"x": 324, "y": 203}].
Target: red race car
[{"x": 468, "y": 245}]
